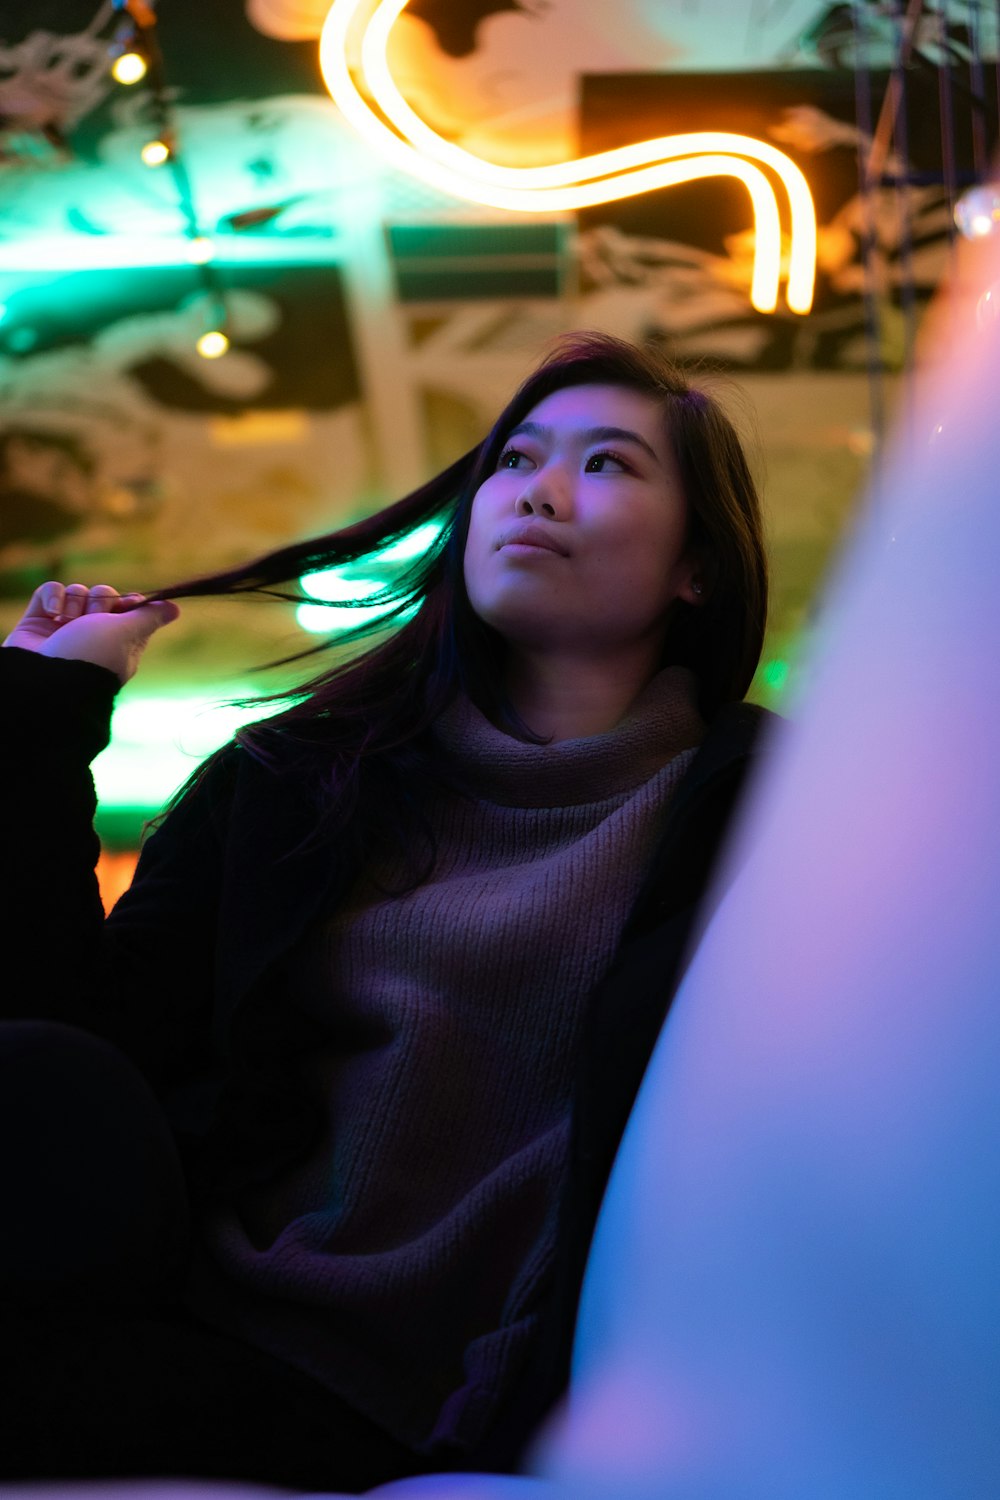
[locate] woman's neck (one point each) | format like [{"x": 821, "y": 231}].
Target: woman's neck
[{"x": 569, "y": 698}]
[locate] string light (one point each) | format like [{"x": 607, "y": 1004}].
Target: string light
[
  {"x": 604, "y": 177},
  {"x": 129, "y": 67},
  {"x": 133, "y": 48},
  {"x": 977, "y": 212},
  {"x": 137, "y": 37},
  {"x": 200, "y": 250},
  {"x": 155, "y": 153},
  {"x": 212, "y": 344}
]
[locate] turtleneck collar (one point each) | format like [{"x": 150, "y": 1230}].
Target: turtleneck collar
[{"x": 662, "y": 722}]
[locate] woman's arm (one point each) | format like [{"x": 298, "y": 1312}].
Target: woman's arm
[{"x": 143, "y": 978}]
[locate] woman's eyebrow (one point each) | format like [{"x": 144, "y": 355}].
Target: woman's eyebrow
[{"x": 586, "y": 436}]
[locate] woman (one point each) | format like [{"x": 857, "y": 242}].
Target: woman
[{"x": 391, "y": 966}]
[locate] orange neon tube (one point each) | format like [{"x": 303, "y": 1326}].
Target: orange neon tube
[{"x": 582, "y": 182}]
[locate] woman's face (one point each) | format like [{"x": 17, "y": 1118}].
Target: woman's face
[{"x": 577, "y": 543}]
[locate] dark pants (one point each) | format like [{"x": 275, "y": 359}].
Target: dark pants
[{"x": 102, "y": 1372}]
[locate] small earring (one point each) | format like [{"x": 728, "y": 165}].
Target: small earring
[{"x": 696, "y": 587}]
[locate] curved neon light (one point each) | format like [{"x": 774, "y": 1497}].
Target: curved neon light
[{"x": 600, "y": 178}]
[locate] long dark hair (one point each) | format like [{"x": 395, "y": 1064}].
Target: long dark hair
[{"x": 372, "y": 711}]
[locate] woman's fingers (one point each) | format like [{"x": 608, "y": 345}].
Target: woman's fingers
[
  {"x": 101, "y": 599},
  {"x": 75, "y": 597},
  {"x": 47, "y": 600},
  {"x": 54, "y": 604},
  {"x": 65, "y": 602},
  {"x": 125, "y": 603}
]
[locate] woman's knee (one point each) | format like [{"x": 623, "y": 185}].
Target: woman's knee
[{"x": 94, "y": 1194}]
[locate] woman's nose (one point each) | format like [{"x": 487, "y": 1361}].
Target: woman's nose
[{"x": 544, "y": 495}]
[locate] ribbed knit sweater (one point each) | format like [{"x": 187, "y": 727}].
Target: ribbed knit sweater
[{"x": 403, "y": 1262}]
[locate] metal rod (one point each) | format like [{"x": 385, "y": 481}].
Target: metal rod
[
  {"x": 869, "y": 243},
  {"x": 894, "y": 94},
  {"x": 946, "y": 100},
  {"x": 904, "y": 27},
  {"x": 977, "y": 113}
]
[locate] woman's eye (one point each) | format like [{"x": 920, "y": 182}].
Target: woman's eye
[
  {"x": 512, "y": 458},
  {"x": 599, "y": 463}
]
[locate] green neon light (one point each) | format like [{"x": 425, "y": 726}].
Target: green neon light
[
  {"x": 334, "y": 585},
  {"x": 774, "y": 673},
  {"x": 158, "y": 740},
  {"x": 324, "y": 619},
  {"x": 119, "y": 252},
  {"x": 412, "y": 546}
]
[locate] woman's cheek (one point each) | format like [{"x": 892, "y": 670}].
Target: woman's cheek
[{"x": 476, "y": 562}]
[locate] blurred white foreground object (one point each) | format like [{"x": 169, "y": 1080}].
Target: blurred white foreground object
[{"x": 795, "y": 1288}]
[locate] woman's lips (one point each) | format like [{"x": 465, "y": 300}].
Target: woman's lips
[{"x": 532, "y": 536}]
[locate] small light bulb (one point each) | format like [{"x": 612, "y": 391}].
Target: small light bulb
[
  {"x": 977, "y": 212},
  {"x": 200, "y": 250},
  {"x": 155, "y": 153},
  {"x": 212, "y": 344},
  {"x": 129, "y": 68}
]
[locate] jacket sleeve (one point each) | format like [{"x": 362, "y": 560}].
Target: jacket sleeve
[{"x": 143, "y": 978}]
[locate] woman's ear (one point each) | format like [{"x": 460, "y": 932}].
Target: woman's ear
[{"x": 696, "y": 583}]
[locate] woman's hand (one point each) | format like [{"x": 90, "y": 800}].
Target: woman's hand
[{"x": 90, "y": 624}]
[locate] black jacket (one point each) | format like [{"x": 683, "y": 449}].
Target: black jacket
[{"x": 178, "y": 974}]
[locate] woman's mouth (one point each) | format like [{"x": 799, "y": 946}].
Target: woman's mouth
[{"x": 532, "y": 535}]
